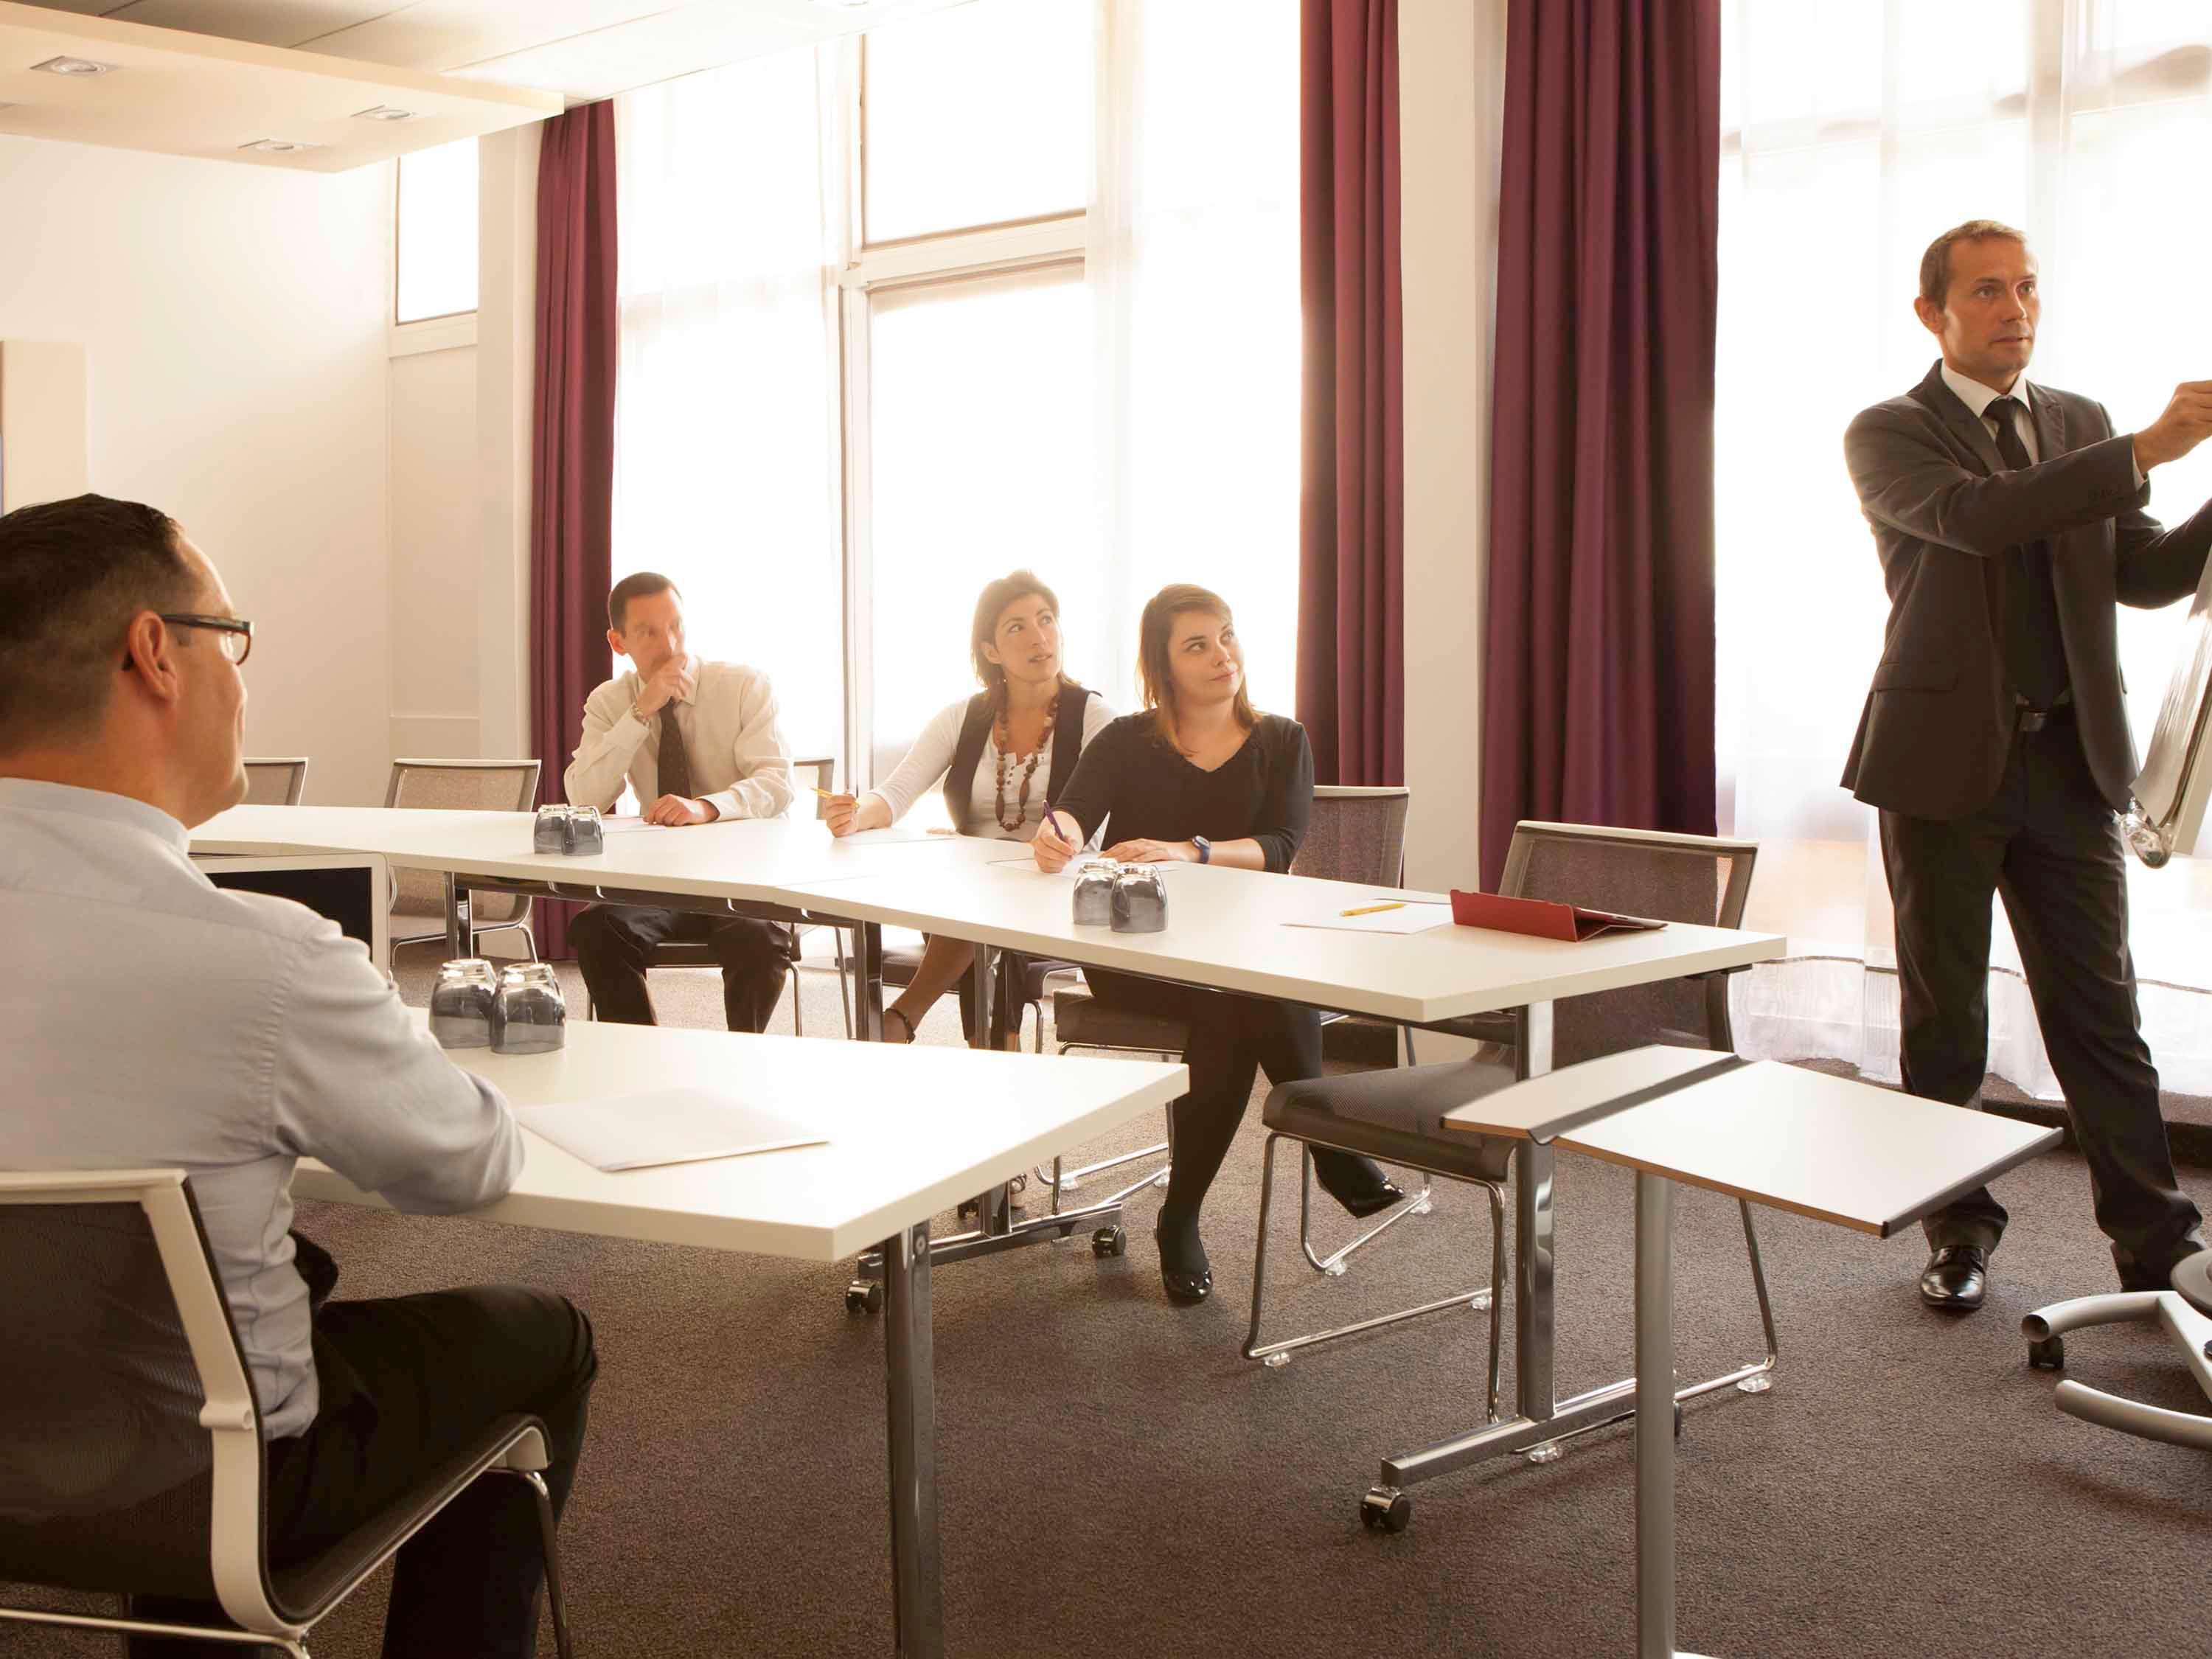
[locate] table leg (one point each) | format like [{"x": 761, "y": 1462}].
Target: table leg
[
  {"x": 1533, "y": 1241},
  {"x": 868, "y": 981},
  {"x": 910, "y": 1392},
  {"x": 1655, "y": 1417},
  {"x": 459, "y": 937}
]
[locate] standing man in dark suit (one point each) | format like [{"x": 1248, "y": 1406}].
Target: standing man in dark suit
[{"x": 2009, "y": 520}]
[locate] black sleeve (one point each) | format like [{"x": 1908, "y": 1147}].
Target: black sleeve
[
  {"x": 1287, "y": 804},
  {"x": 1100, "y": 777}
]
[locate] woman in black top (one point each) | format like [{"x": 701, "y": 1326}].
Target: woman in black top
[{"x": 1200, "y": 777}]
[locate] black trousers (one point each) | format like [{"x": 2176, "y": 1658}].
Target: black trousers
[
  {"x": 2049, "y": 846},
  {"x": 1009, "y": 972},
  {"x": 1233, "y": 1039},
  {"x": 401, "y": 1382},
  {"x": 614, "y": 942}
]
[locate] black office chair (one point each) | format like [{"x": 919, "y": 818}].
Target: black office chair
[{"x": 131, "y": 1460}]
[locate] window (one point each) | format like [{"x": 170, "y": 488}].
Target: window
[{"x": 437, "y": 232}]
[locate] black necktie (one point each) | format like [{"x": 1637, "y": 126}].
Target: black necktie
[
  {"x": 675, "y": 767},
  {"x": 2034, "y": 647}
]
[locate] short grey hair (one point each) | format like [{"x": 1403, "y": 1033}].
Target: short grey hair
[{"x": 1936, "y": 263}]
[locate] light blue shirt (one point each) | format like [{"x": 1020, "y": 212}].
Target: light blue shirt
[{"x": 151, "y": 1020}]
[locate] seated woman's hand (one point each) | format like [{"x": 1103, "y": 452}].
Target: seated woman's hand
[
  {"x": 841, "y": 813},
  {"x": 1052, "y": 848},
  {"x": 1153, "y": 852}
]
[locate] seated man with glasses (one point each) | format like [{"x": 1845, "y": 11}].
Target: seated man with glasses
[{"x": 253, "y": 1035}]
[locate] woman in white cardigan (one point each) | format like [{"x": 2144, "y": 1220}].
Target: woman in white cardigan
[{"x": 1000, "y": 753}]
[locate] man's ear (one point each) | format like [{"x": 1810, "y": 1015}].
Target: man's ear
[
  {"x": 615, "y": 642},
  {"x": 1930, "y": 315},
  {"x": 149, "y": 650}
]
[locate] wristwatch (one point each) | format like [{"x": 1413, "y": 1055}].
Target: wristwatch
[{"x": 1205, "y": 848}]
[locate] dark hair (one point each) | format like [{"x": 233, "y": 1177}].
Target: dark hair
[
  {"x": 1154, "y": 628},
  {"x": 1936, "y": 263},
  {"x": 642, "y": 586},
  {"x": 994, "y": 598},
  {"x": 72, "y": 575}
]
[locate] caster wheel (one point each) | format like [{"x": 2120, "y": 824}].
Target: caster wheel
[
  {"x": 1020, "y": 1183},
  {"x": 2048, "y": 1355},
  {"x": 864, "y": 1297},
  {"x": 1385, "y": 1509},
  {"x": 1109, "y": 1240}
]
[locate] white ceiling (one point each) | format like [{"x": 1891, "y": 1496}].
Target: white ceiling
[{"x": 582, "y": 49}]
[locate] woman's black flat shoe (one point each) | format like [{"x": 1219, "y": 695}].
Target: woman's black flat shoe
[
  {"x": 1188, "y": 1282},
  {"x": 1376, "y": 1202}
]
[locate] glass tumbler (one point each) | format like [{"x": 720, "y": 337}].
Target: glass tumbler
[
  {"x": 529, "y": 1016},
  {"x": 461, "y": 1004},
  {"x": 1140, "y": 900}
]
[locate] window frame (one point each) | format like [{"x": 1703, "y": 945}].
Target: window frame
[{"x": 446, "y": 330}]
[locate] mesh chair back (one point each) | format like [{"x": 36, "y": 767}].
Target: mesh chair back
[
  {"x": 276, "y": 783},
  {"x": 500, "y": 786},
  {"x": 1688, "y": 878},
  {"x": 815, "y": 771},
  {"x": 1355, "y": 835},
  {"x": 106, "y": 1473}
]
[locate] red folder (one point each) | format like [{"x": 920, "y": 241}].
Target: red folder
[{"x": 1540, "y": 919}]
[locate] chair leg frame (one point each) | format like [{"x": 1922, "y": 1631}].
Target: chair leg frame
[
  {"x": 121, "y": 1626},
  {"x": 548, "y": 1526},
  {"x": 1333, "y": 1266},
  {"x": 1490, "y": 1297},
  {"x": 1059, "y": 1179}
]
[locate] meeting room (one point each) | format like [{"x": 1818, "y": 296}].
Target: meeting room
[{"x": 839, "y": 828}]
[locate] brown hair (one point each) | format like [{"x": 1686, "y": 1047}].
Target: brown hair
[
  {"x": 1154, "y": 628},
  {"x": 642, "y": 586},
  {"x": 72, "y": 575},
  {"x": 1936, "y": 263},
  {"x": 996, "y": 596}
]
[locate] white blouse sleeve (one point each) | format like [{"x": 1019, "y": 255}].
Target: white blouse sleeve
[
  {"x": 927, "y": 761},
  {"x": 1096, "y": 717}
]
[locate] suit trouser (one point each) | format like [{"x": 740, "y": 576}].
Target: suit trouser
[
  {"x": 400, "y": 1383},
  {"x": 2050, "y": 846},
  {"x": 614, "y": 942}
]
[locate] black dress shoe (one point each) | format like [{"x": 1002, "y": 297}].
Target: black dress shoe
[
  {"x": 1955, "y": 1278},
  {"x": 1185, "y": 1272},
  {"x": 1374, "y": 1203}
]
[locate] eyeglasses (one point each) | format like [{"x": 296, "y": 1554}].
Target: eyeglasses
[{"x": 234, "y": 635}]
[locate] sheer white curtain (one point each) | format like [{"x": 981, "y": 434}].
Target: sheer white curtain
[
  {"x": 1851, "y": 135},
  {"x": 726, "y": 414},
  {"x": 1193, "y": 261}
]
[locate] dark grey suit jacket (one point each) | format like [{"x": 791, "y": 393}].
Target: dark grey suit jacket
[{"x": 1938, "y": 723}]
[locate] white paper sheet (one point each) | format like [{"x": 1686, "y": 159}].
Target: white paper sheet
[
  {"x": 624, "y": 826},
  {"x": 1412, "y": 916},
  {"x": 664, "y": 1125}
]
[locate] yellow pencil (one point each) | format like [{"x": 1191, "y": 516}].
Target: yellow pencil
[
  {"x": 1370, "y": 909},
  {"x": 825, "y": 794}
]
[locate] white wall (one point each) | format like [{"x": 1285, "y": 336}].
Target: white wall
[
  {"x": 435, "y": 710},
  {"x": 1451, "y": 57},
  {"x": 233, "y": 322}
]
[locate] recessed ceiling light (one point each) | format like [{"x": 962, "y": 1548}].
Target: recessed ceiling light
[
  {"x": 73, "y": 66},
  {"x": 279, "y": 146},
  {"x": 384, "y": 113}
]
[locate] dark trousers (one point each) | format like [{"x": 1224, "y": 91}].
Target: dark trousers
[
  {"x": 1009, "y": 976},
  {"x": 2049, "y": 846},
  {"x": 1232, "y": 1038},
  {"x": 614, "y": 942},
  {"x": 401, "y": 1382}
]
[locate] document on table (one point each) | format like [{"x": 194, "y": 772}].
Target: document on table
[
  {"x": 890, "y": 836},
  {"x": 664, "y": 1125},
  {"x": 623, "y": 826},
  {"x": 1382, "y": 916}
]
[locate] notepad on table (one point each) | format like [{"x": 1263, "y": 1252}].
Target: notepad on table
[
  {"x": 664, "y": 1125},
  {"x": 1541, "y": 918},
  {"x": 1382, "y": 916}
]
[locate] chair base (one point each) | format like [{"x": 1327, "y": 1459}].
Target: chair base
[{"x": 2186, "y": 1327}]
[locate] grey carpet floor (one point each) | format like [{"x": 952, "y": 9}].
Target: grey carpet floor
[{"x": 1115, "y": 1479}]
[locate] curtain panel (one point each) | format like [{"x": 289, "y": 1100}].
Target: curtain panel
[
  {"x": 1352, "y": 544},
  {"x": 571, "y": 448},
  {"x": 1598, "y": 670}
]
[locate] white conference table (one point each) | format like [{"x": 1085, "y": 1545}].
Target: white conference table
[
  {"x": 911, "y": 1134},
  {"x": 1831, "y": 1148},
  {"x": 1227, "y": 929}
]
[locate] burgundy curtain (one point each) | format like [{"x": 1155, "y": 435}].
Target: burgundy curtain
[
  {"x": 1598, "y": 667},
  {"x": 572, "y": 448},
  {"x": 1351, "y": 631}
]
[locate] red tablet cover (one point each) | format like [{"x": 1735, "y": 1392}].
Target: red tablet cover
[{"x": 1540, "y": 918}]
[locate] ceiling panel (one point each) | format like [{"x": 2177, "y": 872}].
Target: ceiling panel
[{"x": 265, "y": 22}]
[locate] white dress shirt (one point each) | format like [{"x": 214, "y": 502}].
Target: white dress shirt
[
  {"x": 152, "y": 1020},
  {"x": 1978, "y": 398},
  {"x": 740, "y": 764},
  {"x": 931, "y": 758}
]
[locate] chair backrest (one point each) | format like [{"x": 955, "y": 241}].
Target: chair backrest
[
  {"x": 130, "y": 1453},
  {"x": 478, "y": 786},
  {"x": 823, "y": 769},
  {"x": 1356, "y": 834},
  {"x": 276, "y": 783},
  {"x": 1643, "y": 873}
]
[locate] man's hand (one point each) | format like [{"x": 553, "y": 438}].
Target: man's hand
[
  {"x": 2186, "y": 423},
  {"x": 1052, "y": 848},
  {"x": 674, "y": 681},
  {"x": 1153, "y": 852},
  {"x": 676, "y": 810}
]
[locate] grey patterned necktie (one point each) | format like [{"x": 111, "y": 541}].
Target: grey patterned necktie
[{"x": 675, "y": 766}]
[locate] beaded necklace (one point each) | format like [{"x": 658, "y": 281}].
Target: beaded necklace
[{"x": 1028, "y": 771}]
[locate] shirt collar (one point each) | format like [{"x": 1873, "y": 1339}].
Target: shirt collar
[
  {"x": 31, "y": 795},
  {"x": 1978, "y": 398}
]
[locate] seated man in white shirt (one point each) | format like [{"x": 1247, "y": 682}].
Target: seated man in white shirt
[
  {"x": 698, "y": 742},
  {"x": 255, "y": 1034}
]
